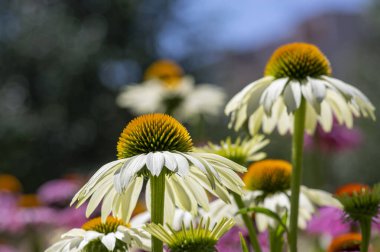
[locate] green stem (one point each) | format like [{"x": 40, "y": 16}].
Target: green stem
[
  {"x": 276, "y": 240},
  {"x": 157, "y": 189},
  {"x": 365, "y": 228},
  {"x": 297, "y": 153},
  {"x": 248, "y": 223}
]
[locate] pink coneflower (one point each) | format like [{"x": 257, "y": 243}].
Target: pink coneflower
[
  {"x": 71, "y": 217},
  {"x": 339, "y": 139},
  {"x": 58, "y": 192},
  {"x": 9, "y": 223},
  {"x": 31, "y": 213},
  {"x": 7, "y": 248},
  {"x": 330, "y": 221},
  {"x": 230, "y": 242}
]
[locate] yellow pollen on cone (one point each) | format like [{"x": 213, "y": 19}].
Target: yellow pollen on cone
[
  {"x": 151, "y": 133},
  {"x": 297, "y": 61},
  {"x": 109, "y": 226},
  {"x": 270, "y": 175}
]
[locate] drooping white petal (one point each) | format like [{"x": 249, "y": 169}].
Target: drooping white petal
[
  {"x": 74, "y": 232},
  {"x": 182, "y": 164},
  {"x": 326, "y": 117},
  {"x": 131, "y": 197},
  {"x": 109, "y": 241},
  {"x": 253, "y": 103},
  {"x": 310, "y": 120},
  {"x": 99, "y": 194},
  {"x": 235, "y": 101},
  {"x": 155, "y": 162},
  {"x": 107, "y": 204},
  {"x": 183, "y": 198},
  {"x": 86, "y": 191},
  {"x": 198, "y": 192},
  {"x": 92, "y": 235},
  {"x": 307, "y": 92},
  {"x": 318, "y": 88},
  {"x": 292, "y": 96},
  {"x": 170, "y": 161},
  {"x": 271, "y": 94},
  {"x": 320, "y": 198},
  {"x": 131, "y": 169}
]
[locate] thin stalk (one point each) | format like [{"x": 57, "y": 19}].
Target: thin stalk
[
  {"x": 157, "y": 191},
  {"x": 248, "y": 223},
  {"x": 276, "y": 240},
  {"x": 365, "y": 228},
  {"x": 297, "y": 153}
]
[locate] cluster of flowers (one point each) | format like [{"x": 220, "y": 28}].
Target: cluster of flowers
[
  {"x": 26, "y": 218},
  {"x": 256, "y": 203}
]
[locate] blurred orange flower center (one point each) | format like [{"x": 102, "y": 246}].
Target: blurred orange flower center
[
  {"x": 346, "y": 242},
  {"x": 269, "y": 175},
  {"x": 167, "y": 71}
]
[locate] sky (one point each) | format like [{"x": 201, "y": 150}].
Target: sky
[{"x": 220, "y": 25}]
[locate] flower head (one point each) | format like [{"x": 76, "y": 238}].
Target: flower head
[
  {"x": 363, "y": 204},
  {"x": 340, "y": 138},
  {"x": 267, "y": 185},
  {"x": 297, "y": 72},
  {"x": 270, "y": 176},
  {"x": 230, "y": 242},
  {"x": 151, "y": 145},
  {"x": 151, "y": 133},
  {"x": 346, "y": 242},
  {"x": 29, "y": 201},
  {"x": 112, "y": 235},
  {"x": 10, "y": 183},
  {"x": 201, "y": 238},
  {"x": 165, "y": 70},
  {"x": 351, "y": 189},
  {"x": 239, "y": 151},
  {"x": 57, "y": 192},
  {"x": 298, "y": 61},
  {"x": 166, "y": 90},
  {"x": 330, "y": 221}
]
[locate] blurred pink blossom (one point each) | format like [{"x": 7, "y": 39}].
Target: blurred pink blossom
[{"x": 339, "y": 139}]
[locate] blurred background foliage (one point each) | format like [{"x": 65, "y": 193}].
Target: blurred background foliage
[{"x": 63, "y": 62}]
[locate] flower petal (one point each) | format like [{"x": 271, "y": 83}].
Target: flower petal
[
  {"x": 292, "y": 96},
  {"x": 109, "y": 241},
  {"x": 155, "y": 162}
]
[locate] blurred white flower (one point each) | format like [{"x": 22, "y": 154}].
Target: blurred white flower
[
  {"x": 95, "y": 235},
  {"x": 166, "y": 90},
  {"x": 279, "y": 203},
  {"x": 267, "y": 185}
]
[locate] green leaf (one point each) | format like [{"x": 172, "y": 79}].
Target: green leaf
[
  {"x": 244, "y": 247},
  {"x": 267, "y": 212}
]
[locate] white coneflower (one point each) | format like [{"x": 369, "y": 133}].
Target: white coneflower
[
  {"x": 240, "y": 151},
  {"x": 267, "y": 185},
  {"x": 158, "y": 148},
  {"x": 167, "y": 90},
  {"x": 112, "y": 235},
  {"x": 201, "y": 238},
  {"x": 295, "y": 95},
  {"x": 297, "y": 71}
]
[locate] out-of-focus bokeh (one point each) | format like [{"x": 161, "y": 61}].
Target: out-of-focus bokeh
[{"x": 63, "y": 64}]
